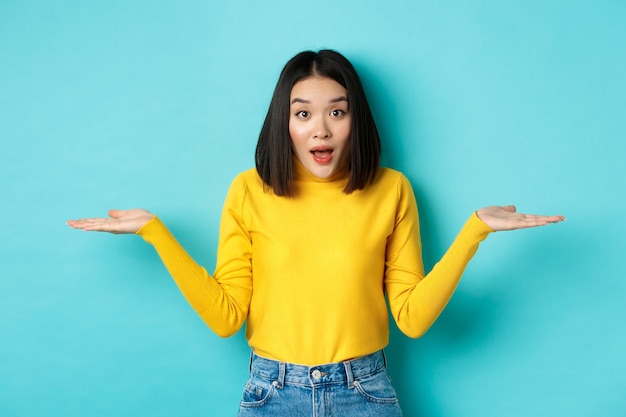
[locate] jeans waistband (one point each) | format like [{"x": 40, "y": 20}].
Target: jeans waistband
[{"x": 339, "y": 372}]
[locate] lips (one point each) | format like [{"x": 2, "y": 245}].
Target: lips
[{"x": 322, "y": 154}]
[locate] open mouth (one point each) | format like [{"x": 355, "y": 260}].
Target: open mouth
[{"x": 322, "y": 155}]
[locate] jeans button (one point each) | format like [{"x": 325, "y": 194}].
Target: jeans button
[{"x": 316, "y": 374}]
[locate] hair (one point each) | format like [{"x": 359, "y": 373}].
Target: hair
[{"x": 274, "y": 151}]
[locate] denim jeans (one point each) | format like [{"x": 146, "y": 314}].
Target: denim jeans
[{"x": 358, "y": 387}]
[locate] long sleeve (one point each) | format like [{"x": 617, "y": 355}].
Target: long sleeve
[
  {"x": 321, "y": 263},
  {"x": 416, "y": 300},
  {"x": 221, "y": 301}
]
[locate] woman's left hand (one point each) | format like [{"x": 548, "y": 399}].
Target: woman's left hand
[{"x": 506, "y": 218}]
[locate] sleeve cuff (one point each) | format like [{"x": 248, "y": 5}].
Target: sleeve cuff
[
  {"x": 150, "y": 229},
  {"x": 477, "y": 227}
]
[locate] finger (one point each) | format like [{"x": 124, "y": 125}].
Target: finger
[
  {"x": 531, "y": 220},
  {"x": 542, "y": 218},
  {"x": 92, "y": 224},
  {"x": 510, "y": 208},
  {"x": 82, "y": 222},
  {"x": 553, "y": 219}
]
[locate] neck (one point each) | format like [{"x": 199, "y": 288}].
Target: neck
[{"x": 301, "y": 174}]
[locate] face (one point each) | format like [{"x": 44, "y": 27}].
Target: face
[{"x": 319, "y": 125}]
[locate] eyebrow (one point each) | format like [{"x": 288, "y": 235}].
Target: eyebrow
[{"x": 334, "y": 100}]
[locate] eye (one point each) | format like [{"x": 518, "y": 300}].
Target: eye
[
  {"x": 337, "y": 113},
  {"x": 303, "y": 114}
]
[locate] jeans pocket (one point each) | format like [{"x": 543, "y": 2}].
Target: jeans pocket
[
  {"x": 257, "y": 392},
  {"x": 376, "y": 388}
]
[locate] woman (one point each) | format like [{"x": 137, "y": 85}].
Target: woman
[{"x": 310, "y": 243}]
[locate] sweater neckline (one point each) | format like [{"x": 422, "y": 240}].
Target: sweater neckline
[{"x": 301, "y": 174}]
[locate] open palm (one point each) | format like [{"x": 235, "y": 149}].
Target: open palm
[
  {"x": 507, "y": 218},
  {"x": 118, "y": 222}
]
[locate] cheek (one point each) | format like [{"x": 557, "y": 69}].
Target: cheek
[
  {"x": 345, "y": 135},
  {"x": 297, "y": 134},
  {"x": 291, "y": 130}
]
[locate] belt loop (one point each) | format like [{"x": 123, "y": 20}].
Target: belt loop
[
  {"x": 251, "y": 356},
  {"x": 349, "y": 375},
  {"x": 281, "y": 375},
  {"x": 384, "y": 358}
]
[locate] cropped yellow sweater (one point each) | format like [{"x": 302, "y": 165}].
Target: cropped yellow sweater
[{"x": 310, "y": 273}]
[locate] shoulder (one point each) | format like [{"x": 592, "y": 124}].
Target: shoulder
[
  {"x": 248, "y": 179},
  {"x": 390, "y": 178},
  {"x": 247, "y": 175},
  {"x": 393, "y": 188},
  {"x": 389, "y": 173},
  {"x": 248, "y": 186}
]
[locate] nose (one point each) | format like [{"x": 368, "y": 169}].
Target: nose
[{"x": 321, "y": 130}]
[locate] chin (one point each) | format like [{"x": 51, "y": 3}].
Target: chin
[{"x": 322, "y": 173}]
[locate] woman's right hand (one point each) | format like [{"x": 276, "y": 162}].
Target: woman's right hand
[{"x": 118, "y": 222}]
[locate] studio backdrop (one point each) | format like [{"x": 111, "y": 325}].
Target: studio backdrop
[{"x": 158, "y": 104}]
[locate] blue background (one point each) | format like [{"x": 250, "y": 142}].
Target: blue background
[{"x": 158, "y": 104}]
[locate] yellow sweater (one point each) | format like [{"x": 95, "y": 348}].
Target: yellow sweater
[{"x": 309, "y": 274}]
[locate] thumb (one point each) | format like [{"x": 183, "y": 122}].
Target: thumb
[
  {"x": 116, "y": 214},
  {"x": 510, "y": 208}
]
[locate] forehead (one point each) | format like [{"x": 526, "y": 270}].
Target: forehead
[{"x": 315, "y": 87}]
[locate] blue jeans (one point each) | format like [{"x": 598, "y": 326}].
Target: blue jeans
[{"x": 358, "y": 387}]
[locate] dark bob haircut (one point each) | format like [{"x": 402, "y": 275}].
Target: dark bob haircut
[{"x": 274, "y": 151}]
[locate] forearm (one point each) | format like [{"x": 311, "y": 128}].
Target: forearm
[
  {"x": 224, "y": 311},
  {"x": 417, "y": 307}
]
